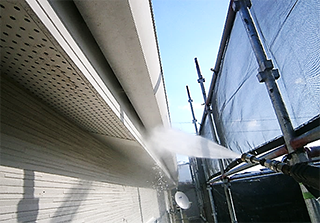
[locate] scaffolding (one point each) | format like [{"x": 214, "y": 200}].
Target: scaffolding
[{"x": 286, "y": 132}]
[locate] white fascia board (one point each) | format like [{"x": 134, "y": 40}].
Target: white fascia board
[
  {"x": 52, "y": 22},
  {"x": 142, "y": 16},
  {"x": 125, "y": 34}
]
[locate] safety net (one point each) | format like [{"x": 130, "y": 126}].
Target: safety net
[{"x": 290, "y": 33}]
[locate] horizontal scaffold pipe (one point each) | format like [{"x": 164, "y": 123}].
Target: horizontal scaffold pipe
[
  {"x": 312, "y": 152},
  {"x": 270, "y": 155}
]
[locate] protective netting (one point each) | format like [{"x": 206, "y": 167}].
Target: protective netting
[{"x": 290, "y": 32}]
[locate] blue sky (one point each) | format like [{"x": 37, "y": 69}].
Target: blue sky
[{"x": 187, "y": 29}]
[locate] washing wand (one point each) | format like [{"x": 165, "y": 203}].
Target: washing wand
[{"x": 304, "y": 173}]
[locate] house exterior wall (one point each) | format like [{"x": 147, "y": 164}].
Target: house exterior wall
[{"x": 53, "y": 171}]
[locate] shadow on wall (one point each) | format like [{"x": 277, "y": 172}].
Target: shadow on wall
[
  {"x": 71, "y": 204},
  {"x": 164, "y": 215},
  {"x": 28, "y": 206}
]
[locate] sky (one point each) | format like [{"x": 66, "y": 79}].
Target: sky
[{"x": 187, "y": 29}]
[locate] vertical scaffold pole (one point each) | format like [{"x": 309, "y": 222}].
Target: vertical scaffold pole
[
  {"x": 268, "y": 75},
  {"x": 194, "y": 120},
  {"x": 227, "y": 190},
  {"x": 201, "y": 80},
  {"x": 196, "y": 166}
]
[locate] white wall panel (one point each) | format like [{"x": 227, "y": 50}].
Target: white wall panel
[{"x": 53, "y": 171}]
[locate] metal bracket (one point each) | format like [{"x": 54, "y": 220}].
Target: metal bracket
[
  {"x": 201, "y": 80},
  {"x": 262, "y": 76},
  {"x": 265, "y": 65},
  {"x": 237, "y": 4},
  {"x": 276, "y": 74},
  {"x": 208, "y": 110}
]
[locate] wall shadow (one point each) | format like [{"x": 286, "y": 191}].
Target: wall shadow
[
  {"x": 71, "y": 204},
  {"x": 28, "y": 206}
]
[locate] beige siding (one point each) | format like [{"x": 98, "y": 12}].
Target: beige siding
[
  {"x": 53, "y": 171},
  {"x": 148, "y": 196}
]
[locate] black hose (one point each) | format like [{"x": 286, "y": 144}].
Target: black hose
[{"x": 307, "y": 174}]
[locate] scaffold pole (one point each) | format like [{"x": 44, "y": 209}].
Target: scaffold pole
[{"x": 269, "y": 75}]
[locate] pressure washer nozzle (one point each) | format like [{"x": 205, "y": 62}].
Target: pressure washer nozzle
[
  {"x": 248, "y": 158},
  {"x": 244, "y": 157},
  {"x": 274, "y": 165}
]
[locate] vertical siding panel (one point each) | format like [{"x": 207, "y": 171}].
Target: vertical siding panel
[{"x": 149, "y": 204}]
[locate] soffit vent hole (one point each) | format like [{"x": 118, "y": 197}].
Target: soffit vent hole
[{"x": 32, "y": 59}]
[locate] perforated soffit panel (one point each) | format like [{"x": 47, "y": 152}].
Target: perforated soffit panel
[{"x": 32, "y": 58}]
